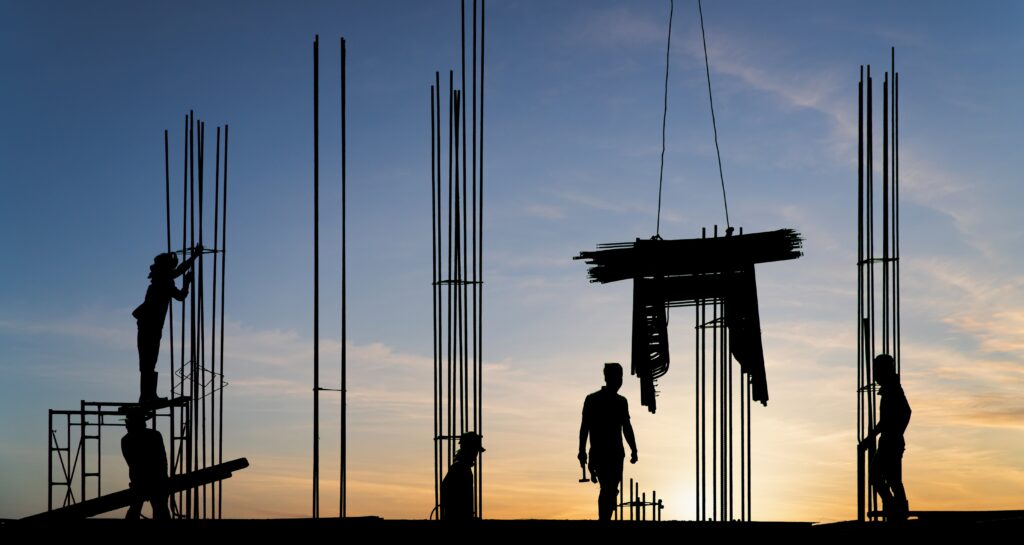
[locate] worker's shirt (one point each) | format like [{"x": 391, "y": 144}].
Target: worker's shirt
[
  {"x": 151, "y": 313},
  {"x": 144, "y": 452},
  {"x": 894, "y": 414},
  {"x": 457, "y": 492},
  {"x": 604, "y": 414}
]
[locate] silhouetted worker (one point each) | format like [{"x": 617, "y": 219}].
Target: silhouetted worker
[
  {"x": 143, "y": 450},
  {"x": 151, "y": 313},
  {"x": 606, "y": 420},
  {"x": 457, "y": 487},
  {"x": 887, "y": 464}
]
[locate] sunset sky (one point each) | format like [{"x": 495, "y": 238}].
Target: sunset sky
[{"x": 573, "y": 120}]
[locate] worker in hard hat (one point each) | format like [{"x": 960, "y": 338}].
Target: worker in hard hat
[
  {"x": 457, "y": 497},
  {"x": 606, "y": 421},
  {"x": 894, "y": 416},
  {"x": 150, "y": 315},
  {"x": 144, "y": 452}
]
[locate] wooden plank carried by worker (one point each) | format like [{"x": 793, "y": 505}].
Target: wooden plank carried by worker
[{"x": 124, "y": 498}]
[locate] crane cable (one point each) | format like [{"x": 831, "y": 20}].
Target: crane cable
[
  {"x": 714, "y": 124},
  {"x": 664, "y": 115}
]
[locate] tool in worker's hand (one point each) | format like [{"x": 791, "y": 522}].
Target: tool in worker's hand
[{"x": 583, "y": 468}]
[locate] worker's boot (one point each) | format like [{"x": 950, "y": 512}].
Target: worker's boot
[{"x": 147, "y": 382}]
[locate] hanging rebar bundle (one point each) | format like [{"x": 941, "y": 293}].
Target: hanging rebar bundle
[
  {"x": 457, "y": 185},
  {"x": 683, "y": 272},
  {"x": 878, "y": 329}
]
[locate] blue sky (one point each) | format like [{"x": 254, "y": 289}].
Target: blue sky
[{"x": 573, "y": 119}]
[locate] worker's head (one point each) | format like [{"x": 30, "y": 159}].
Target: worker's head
[
  {"x": 613, "y": 376},
  {"x": 885, "y": 369},
  {"x": 470, "y": 445},
  {"x": 163, "y": 265},
  {"x": 135, "y": 420}
]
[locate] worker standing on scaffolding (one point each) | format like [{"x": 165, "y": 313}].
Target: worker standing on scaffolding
[
  {"x": 893, "y": 418},
  {"x": 606, "y": 421},
  {"x": 151, "y": 313},
  {"x": 143, "y": 450}
]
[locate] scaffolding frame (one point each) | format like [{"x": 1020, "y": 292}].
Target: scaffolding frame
[
  {"x": 458, "y": 291},
  {"x": 871, "y": 323},
  {"x": 75, "y": 439}
]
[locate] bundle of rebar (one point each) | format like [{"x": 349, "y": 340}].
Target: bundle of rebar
[
  {"x": 683, "y": 272},
  {"x": 878, "y": 329},
  {"x": 457, "y": 215},
  {"x": 197, "y": 435},
  {"x": 657, "y": 257}
]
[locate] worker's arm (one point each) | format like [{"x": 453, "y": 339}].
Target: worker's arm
[
  {"x": 872, "y": 433},
  {"x": 584, "y": 431},
  {"x": 627, "y": 430},
  {"x": 181, "y": 294},
  {"x": 187, "y": 264}
]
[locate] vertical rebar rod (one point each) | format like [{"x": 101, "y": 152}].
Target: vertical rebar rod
[
  {"x": 170, "y": 307},
  {"x": 201, "y": 318},
  {"x": 716, "y": 438},
  {"x": 433, "y": 279},
  {"x": 895, "y": 211},
  {"x": 750, "y": 451},
  {"x": 727, "y": 358},
  {"x": 703, "y": 402},
  {"x": 464, "y": 345},
  {"x": 457, "y": 278},
  {"x": 480, "y": 276},
  {"x": 438, "y": 310},
  {"x": 726, "y": 410},
  {"x": 167, "y": 206},
  {"x": 476, "y": 263},
  {"x": 871, "y": 273},
  {"x": 343, "y": 489},
  {"x": 185, "y": 422},
  {"x": 213, "y": 330},
  {"x": 223, "y": 289},
  {"x": 631, "y": 502},
  {"x": 860, "y": 284},
  {"x": 194, "y": 499},
  {"x": 440, "y": 275},
  {"x": 885, "y": 213},
  {"x": 451, "y": 331},
  {"x": 742, "y": 448},
  {"x": 316, "y": 277},
  {"x": 696, "y": 410}
]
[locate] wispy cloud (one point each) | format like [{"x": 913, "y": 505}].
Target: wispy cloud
[{"x": 617, "y": 27}]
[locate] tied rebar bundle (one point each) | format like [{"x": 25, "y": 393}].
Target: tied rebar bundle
[{"x": 688, "y": 272}]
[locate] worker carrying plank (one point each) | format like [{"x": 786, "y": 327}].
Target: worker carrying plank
[
  {"x": 143, "y": 450},
  {"x": 606, "y": 421},
  {"x": 150, "y": 315}
]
